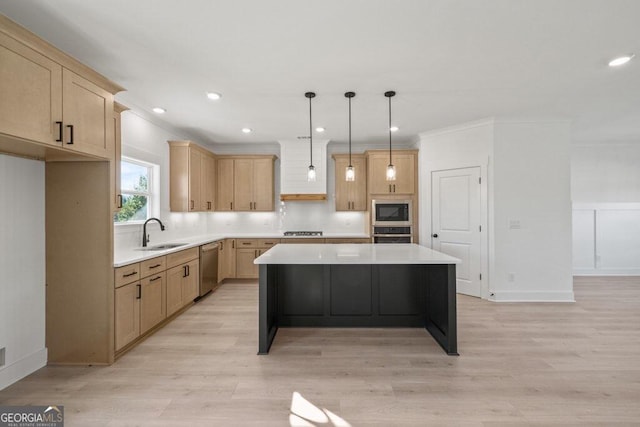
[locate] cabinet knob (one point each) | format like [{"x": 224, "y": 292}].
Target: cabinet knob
[{"x": 434, "y": 235}]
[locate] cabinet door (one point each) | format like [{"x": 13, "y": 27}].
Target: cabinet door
[
  {"x": 224, "y": 185},
  {"x": 358, "y": 188},
  {"x": 378, "y": 183},
  {"x": 115, "y": 162},
  {"x": 174, "y": 289},
  {"x": 87, "y": 110},
  {"x": 207, "y": 182},
  {"x": 342, "y": 187},
  {"x": 194, "y": 180},
  {"x": 263, "y": 184},
  {"x": 191, "y": 283},
  {"x": 31, "y": 88},
  {"x": 405, "y": 174},
  {"x": 153, "y": 308},
  {"x": 243, "y": 184},
  {"x": 245, "y": 268},
  {"x": 127, "y": 308},
  {"x": 230, "y": 258}
]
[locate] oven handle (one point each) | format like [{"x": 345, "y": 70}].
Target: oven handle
[{"x": 392, "y": 235}]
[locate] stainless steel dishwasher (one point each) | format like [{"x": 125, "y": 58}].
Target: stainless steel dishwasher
[{"x": 208, "y": 268}]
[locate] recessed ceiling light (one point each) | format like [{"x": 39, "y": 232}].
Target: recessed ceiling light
[
  {"x": 394, "y": 128},
  {"x": 246, "y": 130},
  {"x": 213, "y": 95},
  {"x": 319, "y": 129},
  {"x": 159, "y": 110},
  {"x": 621, "y": 60}
]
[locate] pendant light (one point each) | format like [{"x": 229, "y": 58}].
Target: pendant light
[
  {"x": 391, "y": 170},
  {"x": 311, "y": 173},
  {"x": 350, "y": 173}
]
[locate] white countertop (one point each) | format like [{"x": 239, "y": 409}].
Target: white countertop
[
  {"x": 363, "y": 253},
  {"x": 131, "y": 255}
]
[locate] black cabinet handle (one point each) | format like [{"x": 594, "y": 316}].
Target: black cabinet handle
[
  {"x": 130, "y": 274},
  {"x": 155, "y": 278},
  {"x": 233, "y": 244},
  {"x": 119, "y": 201},
  {"x": 184, "y": 269},
  {"x": 59, "y": 132},
  {"x": 192, "y": 205},
  {"x": 435, "y": 235},
  {"x": 188, "y": 271},
  {"x": 139, "y": 292},
  {"x": 155, "y": 266},
  {"x": 70, "y": 134},
  {"x": 231, "y": 204}
]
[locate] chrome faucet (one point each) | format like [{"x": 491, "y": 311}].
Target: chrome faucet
[{"x": 145, "y": 238}]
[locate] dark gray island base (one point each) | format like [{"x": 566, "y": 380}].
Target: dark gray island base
[{"x": 358, "y": 295}]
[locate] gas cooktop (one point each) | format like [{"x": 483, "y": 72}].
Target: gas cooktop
[{"x": 303, "y": 233}]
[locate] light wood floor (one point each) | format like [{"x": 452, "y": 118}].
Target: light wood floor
[{"x": 520, "y": 364}]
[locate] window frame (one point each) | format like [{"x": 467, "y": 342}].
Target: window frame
[{"x": 150, "y": 194}]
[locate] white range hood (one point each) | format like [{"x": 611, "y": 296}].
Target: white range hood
[{"x": 294, "y": 163}]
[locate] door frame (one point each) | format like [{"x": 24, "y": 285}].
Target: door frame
[{"x": 485, "y": 283}]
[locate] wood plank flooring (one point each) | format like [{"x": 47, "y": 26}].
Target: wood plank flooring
[{"x": 521, "y": 364}]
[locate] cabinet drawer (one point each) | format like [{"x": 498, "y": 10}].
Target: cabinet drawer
[
  {"x": 267, "y": 243},
  {"x": 127, "y": 274},
  {"x": 182, "y": 257},
  {"x": 247, "y": 243},
  {"x": 153, "y": 266}
]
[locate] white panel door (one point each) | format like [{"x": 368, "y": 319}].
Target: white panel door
[{"x": 456, "y": 223}]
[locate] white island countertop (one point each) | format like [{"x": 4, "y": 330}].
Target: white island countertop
[{"x": 357, "y": 253}]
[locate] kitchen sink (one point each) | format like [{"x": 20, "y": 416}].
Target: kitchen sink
[{"x": 162, "y": 247}]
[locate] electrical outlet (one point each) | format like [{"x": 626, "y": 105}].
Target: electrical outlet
[{"x": 511, "y": 277}]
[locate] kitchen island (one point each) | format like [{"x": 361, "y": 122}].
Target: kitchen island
[{"x": 357, "y": 285}]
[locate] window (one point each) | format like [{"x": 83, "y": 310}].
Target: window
[{"x": 136, "y": 187}]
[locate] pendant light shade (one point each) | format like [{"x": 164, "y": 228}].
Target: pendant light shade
[
  {"x": 311, "y": 172},
  {"x": 350, "y": 173},
  {"x": 391, "y": 169}
]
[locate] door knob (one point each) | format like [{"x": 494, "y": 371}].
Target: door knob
[{"x": 434, "y": 236}]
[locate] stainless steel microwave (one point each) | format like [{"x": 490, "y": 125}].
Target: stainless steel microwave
[{"x": 391, "y": 212}]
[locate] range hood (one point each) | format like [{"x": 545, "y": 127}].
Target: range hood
[{"x": 294, "y": 161}]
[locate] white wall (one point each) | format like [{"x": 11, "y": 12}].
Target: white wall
[
  {"x": 605, "y": 186},
  {"x": 605, "y": 173},
  {"x": 531, "y": 184},
  {"x": 526, "y": 177},
  {"x": 22, "y": 268},
  {"x": 144, "y": 140}
]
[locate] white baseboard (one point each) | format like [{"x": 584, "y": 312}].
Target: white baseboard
[
  {"x": 606, "y": 272},
  {"x": 23, "y": 367},
  {"x": 526, "y": 296}
]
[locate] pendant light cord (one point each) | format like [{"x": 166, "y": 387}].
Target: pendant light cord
[
  {"x": 310, "y": 135},
  {"x": 349, "y": 131},
  {"x": 390, "y": 162}
]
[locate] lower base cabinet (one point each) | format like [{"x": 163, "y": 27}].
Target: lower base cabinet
[
  {"x": 150, "y": 291},
  {"x": 127, "y": 302},
  {"x": 182, "y": 285}
]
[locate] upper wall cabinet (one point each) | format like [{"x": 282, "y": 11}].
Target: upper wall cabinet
[
  {"x": 245, "y": 183},
  {"x": 116, "y": 193},
  {"x": 351, "y": 195},
  {"x": 191, "y": 177},
  {"x": 51, "y": 99},
  {"x": 405, "y": 162}
]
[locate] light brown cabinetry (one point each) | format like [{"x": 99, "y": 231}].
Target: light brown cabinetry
[
  {"x": 248, "y": 250},
  {"x": 405, "y": 162},
  {"x": 227, "y": 259},
  {"x": 127, "y": 313},
  {"x": 116, "y": 190},
  {"x": 347, "y": 240},
  {"x": 304, "y": 240},
  {"x": 182, "y": 279},
  {"x": 245, "y": 183},
  {"x": 191, "y": 177},
  {"x": 139, "y": 299},
  {"x": 351, "y": 195},
  {"x": 51, "y": 99}
]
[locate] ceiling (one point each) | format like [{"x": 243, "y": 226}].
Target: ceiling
[{"x": 450, "y": 62}]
